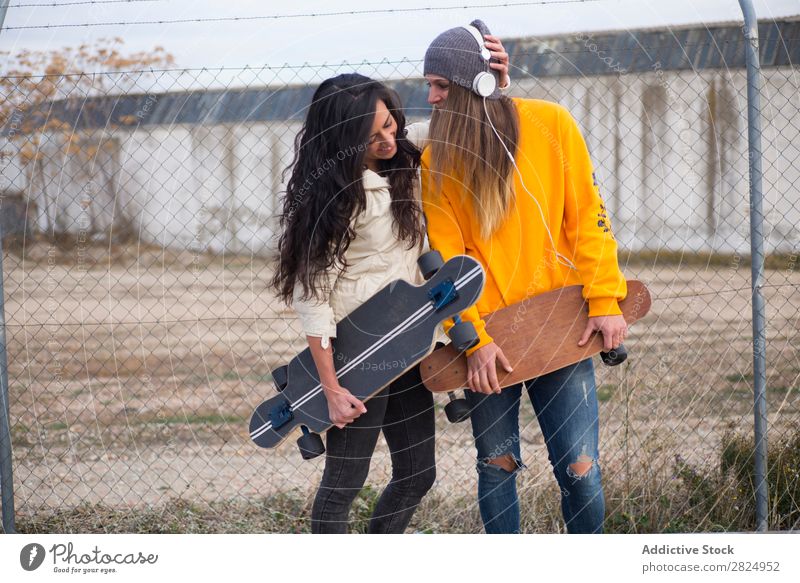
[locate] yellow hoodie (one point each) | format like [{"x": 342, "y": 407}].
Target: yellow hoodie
[{"x": 519, "y": 258}]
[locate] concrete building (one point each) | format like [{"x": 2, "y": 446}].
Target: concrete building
[{"x": 663, "y": 111}]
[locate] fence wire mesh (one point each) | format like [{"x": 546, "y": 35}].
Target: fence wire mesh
[{"x": 139, "y": 228}]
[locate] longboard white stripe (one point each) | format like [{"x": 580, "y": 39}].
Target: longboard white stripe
[
  {"x": 391, "y": 335},
  {"x": 399, "y": 329}
]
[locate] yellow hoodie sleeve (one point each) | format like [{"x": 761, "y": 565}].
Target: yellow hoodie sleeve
[
  {"x": 447, "y": 237},
  {"x": 587, "y": 226}
]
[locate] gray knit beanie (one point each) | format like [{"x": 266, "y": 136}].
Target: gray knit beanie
[{"x": 455, "y": 55}]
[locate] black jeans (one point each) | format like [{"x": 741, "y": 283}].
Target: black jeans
[{"x": 404, "y": 412}]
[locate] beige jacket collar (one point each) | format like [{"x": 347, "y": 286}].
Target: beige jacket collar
[{"x": 373, "y": 181}]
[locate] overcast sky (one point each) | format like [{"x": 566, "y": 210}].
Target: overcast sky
[{"x": 347, "y": 37}]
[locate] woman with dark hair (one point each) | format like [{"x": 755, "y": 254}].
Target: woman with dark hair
[
  {"x": 352, "y": 224},
  {"x": 510, "y": 182}
]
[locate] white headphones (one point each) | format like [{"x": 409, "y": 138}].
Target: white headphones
[{"x": 484, "y": 83}]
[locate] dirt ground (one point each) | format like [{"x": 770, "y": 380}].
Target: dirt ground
[{"x": 133, "y": 376}]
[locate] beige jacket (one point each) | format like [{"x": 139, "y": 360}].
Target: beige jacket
[{"x": 375, "y": 258}]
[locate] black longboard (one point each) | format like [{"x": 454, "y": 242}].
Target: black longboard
[{"x": 375, "y": 344}]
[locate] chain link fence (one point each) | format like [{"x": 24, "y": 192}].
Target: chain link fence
[{"x": 138, "y": 217}]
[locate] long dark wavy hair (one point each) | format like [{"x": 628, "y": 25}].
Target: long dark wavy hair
[{"x": 325, "y": 191}]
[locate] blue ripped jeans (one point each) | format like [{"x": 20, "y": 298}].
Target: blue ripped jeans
[{"x": 565, "y": 402}]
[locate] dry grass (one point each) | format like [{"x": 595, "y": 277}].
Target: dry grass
[
  {"x": 133, "y": 372},
  {"x": 684, "y": 499}
]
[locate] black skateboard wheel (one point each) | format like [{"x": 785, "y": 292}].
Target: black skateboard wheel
[
  {"x": 457, "y": 410},
  {"x": 429, "y": 263},
  {"x": 310, "y": 445},
  {"x": 280, "y": 376},
  {"x": 614, "y": 356},
  {"x": 463, "y": 336}
]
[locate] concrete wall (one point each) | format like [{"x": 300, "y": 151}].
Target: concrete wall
[
  {"x": 672, "y": 158},
  {"x": 207, "y": 188},
  {"x": 187, "y": 187},
  {"x": 72, "y": 180},
  {"x": 670, "y": 150}
]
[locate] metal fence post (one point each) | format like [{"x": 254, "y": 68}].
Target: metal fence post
[
  {"x": 6, "y": 477},
  {"x": 757, "y": 259}
]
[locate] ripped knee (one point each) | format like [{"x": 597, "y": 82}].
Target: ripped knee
[
  {"x": 507, "y": 462},
  {"x": 581, "y": 467}
]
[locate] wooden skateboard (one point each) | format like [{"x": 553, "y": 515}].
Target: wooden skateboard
[
  {"x": 374, "y": 345},
  {"x": 538, "y": 335}
]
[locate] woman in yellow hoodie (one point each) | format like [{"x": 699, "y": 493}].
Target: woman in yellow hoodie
[{"x": 510, "y": 182}]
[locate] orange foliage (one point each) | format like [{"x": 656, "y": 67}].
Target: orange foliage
[{"x": 33, "y": 78}]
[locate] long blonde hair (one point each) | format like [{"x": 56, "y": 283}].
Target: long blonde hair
[{"x": 464, "y": 146}]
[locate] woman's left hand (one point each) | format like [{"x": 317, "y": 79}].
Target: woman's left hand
[
  {"x": 613, "y": 328},
  {"x": 499, "y": 53},
  {"x": 482, "y": 369}
]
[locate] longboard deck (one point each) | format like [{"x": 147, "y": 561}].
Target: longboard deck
[
  {"x": 538, "y": 335},
  {"x": 374, "y": 345}
]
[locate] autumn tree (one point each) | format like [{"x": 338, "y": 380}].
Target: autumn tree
[{"x": 40, "y": 91}]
